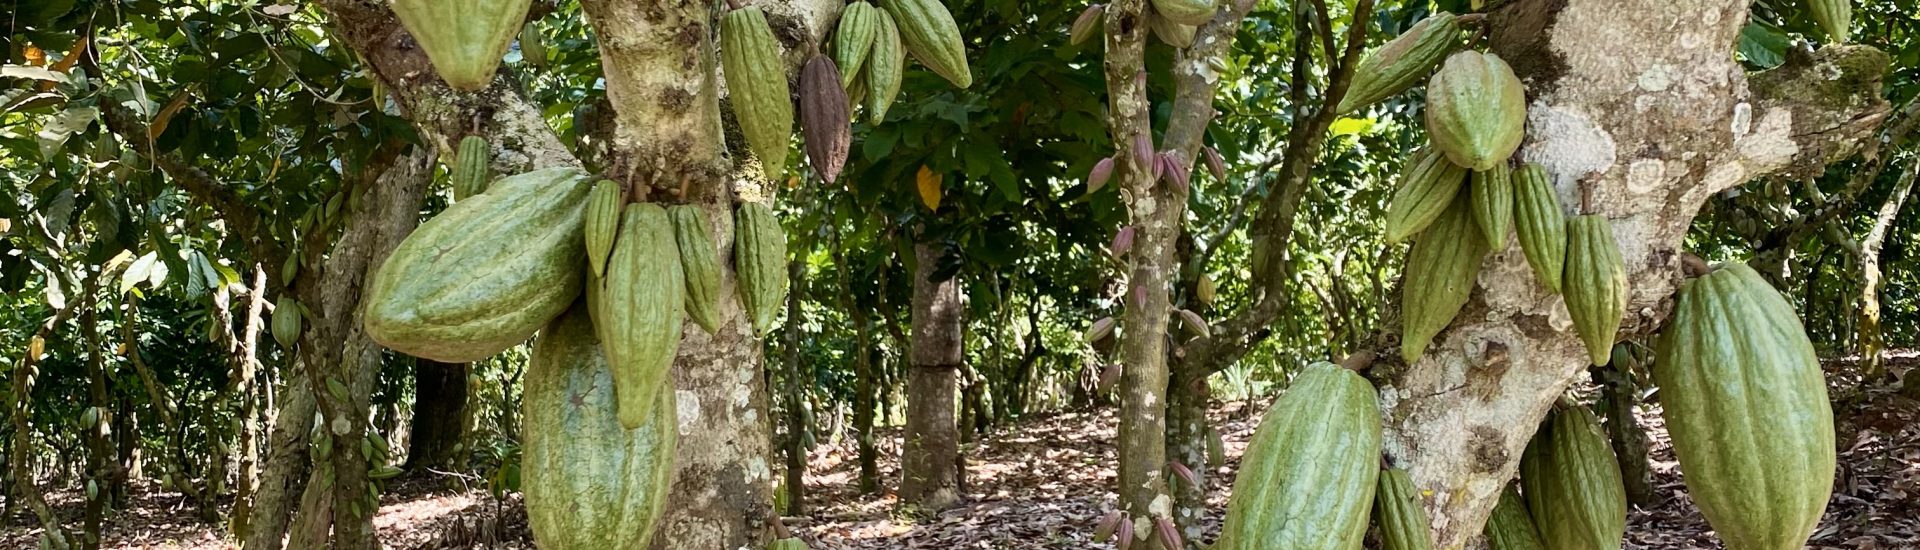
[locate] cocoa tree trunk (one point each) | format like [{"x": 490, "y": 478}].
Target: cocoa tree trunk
[
  {"x": 25, "y": 372},
  {"x": 246, "y": 451},
  {"x": 1649, "y": 130},
  {"x": 1618, "y": 397},
  {"x": 101, "y": 473},
  {"x": 1872, "y": 339},
  {"x": 929, "y": 469},
  {"x": 795, "y": 379},
  {"x": 439, "y": 426}
]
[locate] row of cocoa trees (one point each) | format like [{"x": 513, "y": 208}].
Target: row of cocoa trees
[{"x": 939, "y": 246}]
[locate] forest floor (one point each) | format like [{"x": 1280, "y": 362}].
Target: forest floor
[{"x": 1044, "y": 483}]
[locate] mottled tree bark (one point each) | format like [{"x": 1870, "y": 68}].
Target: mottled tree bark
[
  {"x": 439, "y": 425},
  {"x": 1618, "y": 396},
  {"x": 929, "y": 465},
  {"x": 1638, "y": 105},
  {"x": 1872, "y": 339}
]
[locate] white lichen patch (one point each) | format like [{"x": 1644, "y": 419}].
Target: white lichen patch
[
  {"x": 1646, "y": 176},
  {"x": 1567, "y": 142},
  {"x": 1742, "y": 119},
  {"x": 686, "y": 410},
  {"x": 1656, "y": 78},
  {"x": 1162, "y": 505},
  {"x": 1771, "y": 144},
  {"x": 757, "y": 469}
]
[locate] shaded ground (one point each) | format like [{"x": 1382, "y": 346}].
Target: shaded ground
[{"x": 1044, "y": 483}]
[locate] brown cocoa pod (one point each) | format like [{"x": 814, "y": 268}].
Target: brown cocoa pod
[{"x": 824, "y": 118}]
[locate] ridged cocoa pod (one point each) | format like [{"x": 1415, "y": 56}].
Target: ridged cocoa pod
[
  {"x": 928, "y": 31},
  {"x": 463, "y": 38},
  {"x": 1309, "y": 473},
  {"x": 760, "y": 264},
  {"x": 1426, "y": 187},
  {"x": 1085, "y": 26},
  {"x": 533, "y": 48},
  {"x": 1440, "y": 272},
  {"x": 590, "y": 482},
  {"x": 1510, "y": 528},
  {"x": 700, "y": 262},
  {"x": 886, "y": 66},
  {"x": 1834, "y": 16},
  {"x": 824, "y": 119},
  {"x": 1185, "y": 12},
  {"x": 1573, "y": 483},
  {"x": 286, "y": 322},
  {"x": 1174, "y": 34},
  {"x": 1595, "y": 284},
  {"x": 757, "y": 86},
  {"x": 859, "y": 23},
  {"x": 1541, "y": 223},
  {"x": 638, "y": 309},
  {"x": 604, "y": 205},
  {"x": 1476, "y": 109},
  {"x": 486, "y": 273},
  {"x": 1398, "y": 512},
  {"x": 1205, "y": 290},
  {"x": 470, "y": 172},
  {"x": 1403, "y": 62},
  {"x": 1746, "y": 405},
  {"x": 1492, "y": 192},
  {"x": 1101, "y": 173},
  {"x": 789, "y": 543}
]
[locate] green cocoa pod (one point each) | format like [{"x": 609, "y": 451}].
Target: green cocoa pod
[
  {"x": 604, "y": 204},
  {"x": 1476, "y": 109},
  {"x": 1746, "y": 405},
  {"x": 1440, "y": 272},
  {"x": 463, "y": 38},
  {"x": 1834, "y": 16},
  {"x": 1084, "y": 26},
  {"x": 824, "y": 118},
  {"x": 1510, "y": 528},
  {"x": 590, "y": 482},
  {"x": 1573, "y": 483},
  {"x": 471, "y": 170},
  {"x": 1216, "y": 449},
  {"x": 859, "y": 24},
  {"x": 886, "y": 66},
  {"x": 1426, "y": 187},
  {"x": 1398, "y": 512},
  {"x": 757, "y": 86},
  {"x": 1541, "y": 224},
  {"x": 1308, "y": 476},
  {"x": 286, "y": 321},
  {"x": 789, "y": 543},
  {"x": 638, "y": 309},
  {"x": 1403, "y": 62},
  {"x": 760, "y": 264},
  {"x": 1492, "y": 193},
  {"x": 1595, "y": 284},
  {"x": 1174, "y": 34},
  {"x": 486, "y": 273},
  {"x": 929, "y": 33},
  {"x": 533, "y": 48},
  {"x": 700, "y": 261},
  {"x": 1185, "y": 12}
]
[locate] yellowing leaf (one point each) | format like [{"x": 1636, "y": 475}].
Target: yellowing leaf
[
  {"x": 929, "y": 184},
  {"x": 1351, "y": 126}
]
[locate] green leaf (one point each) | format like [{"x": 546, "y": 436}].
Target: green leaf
[
  {"x": 1763, "y": 45},
  {"x": 62, "y": 126}
]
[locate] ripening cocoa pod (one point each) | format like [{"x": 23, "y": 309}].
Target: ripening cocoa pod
[
  {"x": 1426, "y": 187},
  {"x": 463, "y": 38},
  {"x": 1194, "y": 323},
  {"x": 1177, "y": 170},
  {"x": 638, "y": 310},
  {"x": 1123, "y": 241},
  {"x": 1492, "y": 194},
  {"x": 930, "y": 34},
  {"x": 1595, "y": 284},
  {"x": 1185, "y": 12},
  {"x": 1834, "y": 16},
  {"x": 1169, "y": 535},
  {"x": 859, "y": 23},
  {"x": 470, "y": 172},
  {"x": 1100, "y": 330},
  {"x": 1143, "y": 153},
  {"x": 700, "y": 261},
  {"x": 1403, "y": 62},
  {"x": 1085, "y": 26},
  {"x": 824, "y": 119},
  {"x": 1476, "y": 110},
  {"x": 1108, "y": 524},
  {"x": 757, "y": 86},
  {"x": 1205, "y": 290},
  {"x": 1101, "y": 173},
  {"x": 1440, "y": 272},
  {"x": 1174, "y": 34},
  {"x": 604, "y": 204},
  {"x": 886, "y": 66}
]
